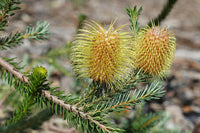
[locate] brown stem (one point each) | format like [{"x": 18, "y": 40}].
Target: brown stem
[
  {"x": 11, "y": 69},
  {"x": 51, "y": 97},
  {"x": 72, "y": 108}
]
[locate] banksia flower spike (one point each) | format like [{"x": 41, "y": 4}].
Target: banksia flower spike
[
  {"x": 102, "y": 54},
  {"x": 155, "y": 50}
]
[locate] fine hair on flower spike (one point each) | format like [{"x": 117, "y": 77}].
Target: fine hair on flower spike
[
  {"x": 102, "y": 54},
  {"x": 155, "y": 49}
]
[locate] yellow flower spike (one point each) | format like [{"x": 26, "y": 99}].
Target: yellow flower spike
[
  {"x": 155, "y": 49},
  {"x": 102, "y": 54}
]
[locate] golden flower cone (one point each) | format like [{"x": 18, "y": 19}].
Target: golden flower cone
[
  {"x": 103, "y": 55},
  {"x": 155, "y": 49}
]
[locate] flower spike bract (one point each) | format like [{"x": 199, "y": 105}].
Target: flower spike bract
[
  {"x": 155, "y": 49},
  {"x": 101, "y": 54}
]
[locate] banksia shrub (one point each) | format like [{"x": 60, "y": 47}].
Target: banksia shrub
[
  {"x": 155, "y": 50},
  {"x": 102, "y": 54}
]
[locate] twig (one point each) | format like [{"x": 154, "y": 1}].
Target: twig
[
  {"x": 54, "y": 99},
  {"x": 51, "y": 97},
  {"x": 166, "y": 10},
  {"x": 11, "y": 69}
]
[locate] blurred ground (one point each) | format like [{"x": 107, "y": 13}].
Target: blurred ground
[{"x": 182, "y": 99}]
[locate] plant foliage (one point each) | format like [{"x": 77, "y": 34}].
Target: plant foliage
[{"x": 88, "y": 112}]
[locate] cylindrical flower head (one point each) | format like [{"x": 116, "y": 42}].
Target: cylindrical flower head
[
  {"x": 155, "y": 49},
  {"x": 102, "y": 54}
]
